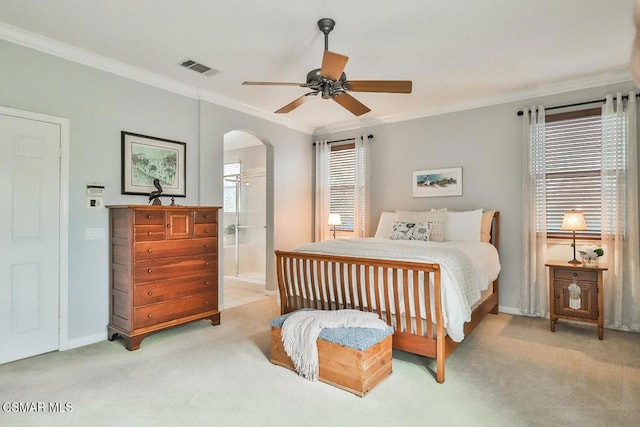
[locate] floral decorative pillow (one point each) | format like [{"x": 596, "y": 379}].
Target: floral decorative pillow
[{"x": 410, "y": 230}]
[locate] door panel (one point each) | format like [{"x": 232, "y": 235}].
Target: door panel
[
  {"x": 252, "y": 191},
  {"x": 29, "y": 237}
]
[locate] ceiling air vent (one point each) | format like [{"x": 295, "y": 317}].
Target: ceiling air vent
[{"x": 198, "y": 67}]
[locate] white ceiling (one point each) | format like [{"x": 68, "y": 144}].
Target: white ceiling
[{"x": 459, "y": 54}]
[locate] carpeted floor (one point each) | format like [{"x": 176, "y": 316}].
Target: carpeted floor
[{"x": 512, "y": 371}]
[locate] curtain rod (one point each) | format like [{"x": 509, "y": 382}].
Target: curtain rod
[
  {"x": 344, "y": 140},
  {"x": 577, "y": 104}
]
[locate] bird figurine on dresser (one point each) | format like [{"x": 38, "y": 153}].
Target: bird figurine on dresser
[{"x": 155, "y": 195}]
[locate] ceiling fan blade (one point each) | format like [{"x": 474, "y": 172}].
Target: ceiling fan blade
[
  {"x": 351, "y": 104},
  {"x": 274, "y": 84},
  {"x": 388, "y": 86},
  {"x": 333, "y": 65},
  {"x": 292, "y": 105}
]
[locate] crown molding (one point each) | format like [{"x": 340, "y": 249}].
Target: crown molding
[
  {"x": 619, "y": 75},
  {"x": 81, "y": 56},
  {"x": 54, "y": 47}
]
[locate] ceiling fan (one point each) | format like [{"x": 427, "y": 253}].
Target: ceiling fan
[{"x": 331, "y": 82}]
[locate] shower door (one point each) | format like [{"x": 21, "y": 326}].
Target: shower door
[{"x": 250, "y": 220}]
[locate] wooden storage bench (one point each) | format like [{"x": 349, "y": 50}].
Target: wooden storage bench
[{"x": 353, "y": 359}]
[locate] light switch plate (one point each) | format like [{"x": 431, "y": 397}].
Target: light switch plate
[{"x": 94, "y": 202}]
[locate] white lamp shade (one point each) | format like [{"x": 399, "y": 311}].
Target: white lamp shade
[
  {"x": 573, "y": 221},
  {"x": 334, "y": 219}
]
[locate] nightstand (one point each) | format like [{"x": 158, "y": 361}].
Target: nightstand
[{"x": 576, "y": 293}]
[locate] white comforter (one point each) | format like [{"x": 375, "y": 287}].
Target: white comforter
[{"x": 467, "y": 268}]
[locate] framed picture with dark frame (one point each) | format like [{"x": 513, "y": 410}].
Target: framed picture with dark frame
[
  {"x": 437, "y": 182},
  {"x": 145, "y": 158}
]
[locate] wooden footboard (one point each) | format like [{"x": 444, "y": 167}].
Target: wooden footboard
[
  {"x": 395, "y": 290},
  {"x": 398, "y": 291}
]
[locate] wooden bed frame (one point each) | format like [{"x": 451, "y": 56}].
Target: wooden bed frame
[{"x": 305, "y": 280}]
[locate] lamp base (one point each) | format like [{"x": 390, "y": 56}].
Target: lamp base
[{"x": 575, "y": 261}]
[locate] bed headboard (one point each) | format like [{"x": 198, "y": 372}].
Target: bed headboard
[{"x": 495, "y": 230}]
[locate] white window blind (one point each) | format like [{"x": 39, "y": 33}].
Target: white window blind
[
  {"x": 342, "y": 180},
  {"x": 573, "y": 163}
]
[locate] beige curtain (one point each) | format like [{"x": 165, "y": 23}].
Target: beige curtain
[
  {"x": 533, "y": 274},
  {"x": 620, "y": 212},
  {"x": 322, "y": 191},
  {"x": 361, "y": 187}
]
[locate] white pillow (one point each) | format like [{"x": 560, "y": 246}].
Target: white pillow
[
  {"x": 463, "y": 226},
  {"x": 437, "y": 218},
  {"x": 385, "y": 224}
]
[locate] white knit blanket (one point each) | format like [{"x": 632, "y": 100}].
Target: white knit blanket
[{"x": 301, "y": 330}]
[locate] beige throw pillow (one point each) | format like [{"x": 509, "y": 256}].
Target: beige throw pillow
[{"x": 485, "y": 230}]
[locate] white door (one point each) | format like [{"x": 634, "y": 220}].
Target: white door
[{"x": 29, "y": 237}]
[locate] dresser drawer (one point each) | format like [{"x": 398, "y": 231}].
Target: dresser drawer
[
  {"x": 580, "y": 275},
  {"x": 172, "y": 268},
  {"x": 148, "y": 217},
  {"x": 148, "y": 233},
  {"x": 150, "y": 315},
  {"x": 154, "y": 292},
  {"x": 174, "y": 248},
  {"x": 206, "y": 230},
  {"x": 206, "y": 216}
]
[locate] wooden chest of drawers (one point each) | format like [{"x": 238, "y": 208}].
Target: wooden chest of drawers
[{"x": 163, "y": 269}]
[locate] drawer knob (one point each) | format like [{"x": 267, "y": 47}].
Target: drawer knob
[
  {"x": 149, "y": 233},
  {"x": 149, "y": 216},
  {"x": 206, "y": 282},
  {"x": 149, "y": 293},
  {"x": 150, "y": 271},
  {"x": 149, "y": 316},
  {"x": 168, "y": 225},
  {"x": 557, "y": 296},
  {"x": 575, "y": 274},
  {"x": 206, "y": 231},
  {"x": 149, "y": 251},
  {"x": 206, "y": 302},
  {"x": 206, "y": 245},
  {"x": 206, "y": 264},
  {"x": 207, "y": 216}
]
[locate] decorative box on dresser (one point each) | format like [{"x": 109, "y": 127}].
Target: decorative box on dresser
[
  {"x": 583, "y": 302},
  {"x": 163, "y": 269}
]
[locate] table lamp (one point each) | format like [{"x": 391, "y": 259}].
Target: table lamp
[
  {"x": 574, "y": 221},
  {"x": 334, "y": 219}
]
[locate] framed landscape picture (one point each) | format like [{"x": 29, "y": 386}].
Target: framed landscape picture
[
  {"x": 437, "y": 182},
  {"x": 145, "y": 158}
]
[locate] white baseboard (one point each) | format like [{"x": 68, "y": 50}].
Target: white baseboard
[
  {"x": 82, "y": 341},
  {"x": 510, "y": 310},
  {"x": 269, "y": 293}
]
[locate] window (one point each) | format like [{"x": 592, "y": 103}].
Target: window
[
  {"x": 342, "y": 181},
  {"x": 573, "y": 163},
  {"x": 231, "y": 173}
]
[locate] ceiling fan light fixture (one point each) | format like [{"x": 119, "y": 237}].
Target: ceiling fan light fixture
[{"x": 326, "y": 90}]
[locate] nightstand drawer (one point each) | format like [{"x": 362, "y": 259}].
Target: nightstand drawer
[
  {"x": 580, "y": 275},
  {"x": 586, "y": 305}
]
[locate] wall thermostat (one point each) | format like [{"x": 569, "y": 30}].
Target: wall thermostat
[
  {"x": 95, "y": 190},
  {"x": 95, "y": 193}
]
